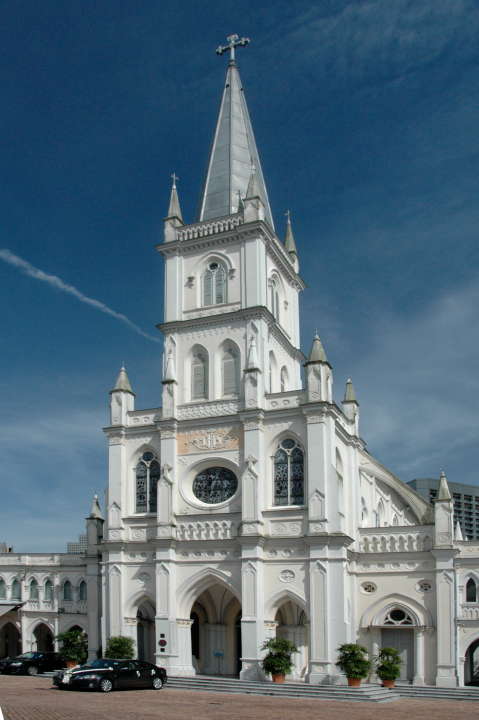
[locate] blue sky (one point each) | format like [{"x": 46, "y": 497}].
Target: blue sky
[{"x": 366, "y": 117}]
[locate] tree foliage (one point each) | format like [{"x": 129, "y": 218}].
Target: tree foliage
[{"x": 120, "y": 646}]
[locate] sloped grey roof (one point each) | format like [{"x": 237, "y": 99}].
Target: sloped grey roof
[
  {"x": 443, "y": 493},
  {"x": 233, "y": 153},
  {"x": 349, "y": 393},
  {"x": 174, "y": 209},
  {"x": 289, "y": 242},
  {"x": 122, "y": 381},
  {"x": 95, "y": 511},
  {"x": 317, "y": 353}
]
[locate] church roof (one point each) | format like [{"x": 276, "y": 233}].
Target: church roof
[
  {"x": 317, "y": 353},
  {"x": 443, "y": 492},
  {"x": 289, "y": 242},
  {"x": 349, "y": 393},
  {"x": 233, "y": 154},
  {"x": 174, "y": 209}
]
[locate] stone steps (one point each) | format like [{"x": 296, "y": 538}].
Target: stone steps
[
  {"x": 470, "y": 694},
  {"x": 365, "y": 693}
]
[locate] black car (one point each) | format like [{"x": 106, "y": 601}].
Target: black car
[
  {"x": 106, "y": 675},
  {"x": 32, "y": 663}
]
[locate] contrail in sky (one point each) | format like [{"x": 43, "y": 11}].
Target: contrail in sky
[{"x": 58, "y": 283}]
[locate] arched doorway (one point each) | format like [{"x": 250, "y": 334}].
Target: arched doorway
[
  {"x": 398, "y": 632},
  {"x": 10, "y": 641},
  {"x": 145, "y": 631},
  {"x": 291, "y": 624},
  {"x": 471, "y": 666},
  {"x": 43, "y": 639},
  {"x": 216, "y": 632}
]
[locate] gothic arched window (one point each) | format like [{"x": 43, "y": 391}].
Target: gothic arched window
[
  {"x": 3, "y": 589},
  {"x": 230, "y": 372},
  {"x": 147, "y": 475},
  {"x": 67, "y": 591},
  {"x": 471, "y": 591},
  {"x": 16, "y": 590},
  {"x": 214, "y": 284},
  {"x": 284, "y": 378},
  {"x": 48, "y": 591},
  {"x": 274, "y": 298},
  {"x": 199, "y": 375},
  {"x": 288, "y": 473},
  {"x": 33, "y": 589},
  {"x": 82, "y": 591}
]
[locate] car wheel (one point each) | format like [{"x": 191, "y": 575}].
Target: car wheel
[
  {"x": 157, "y": 683},
  {"x": 32, "y": 670},
  {"x": 106, "y": 685}
]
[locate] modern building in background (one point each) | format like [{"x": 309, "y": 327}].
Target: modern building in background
[
  {"x": 247, "y": 506},
  {"x": 466, "y": 503}
]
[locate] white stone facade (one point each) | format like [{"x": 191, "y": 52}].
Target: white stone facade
[{"x": 200, "y": 566}]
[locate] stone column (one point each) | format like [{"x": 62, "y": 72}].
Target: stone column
[
  {"x": 445, "y": 618},
  {"x": 184, "y": 664},
  {"x": 252, "y": 621},
  {"x": 319, "y": 664},
  {"x": 418, "y": 656}
]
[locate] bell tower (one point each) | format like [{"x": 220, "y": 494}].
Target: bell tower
[{"x": 229, "y": 280}]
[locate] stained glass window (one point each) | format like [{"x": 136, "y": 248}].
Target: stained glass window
[
  {"x": 471, "y": 591},
  {"x": 289, "y": 474},
  {"x": 215, "y": 485},
  {"x": 147, "y": 476}
]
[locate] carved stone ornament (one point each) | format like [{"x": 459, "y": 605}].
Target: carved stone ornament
[
  {"x": 138, "y": 533},
  {"x": 251, "y": 461},
  {"x": 208, "y": 409},
  {"x": 225, "y": 438},
  {"x": 285, "y": 528},
  {"x": 165, "y": 473},
  {"x": 287, "y": 576}
]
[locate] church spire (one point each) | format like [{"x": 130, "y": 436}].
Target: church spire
[
  {"x": 174, "y": 210},
  {"x": 234, "y": 148}
]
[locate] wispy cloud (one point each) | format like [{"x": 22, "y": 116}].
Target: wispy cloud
[{"x": 54, "y": 281}]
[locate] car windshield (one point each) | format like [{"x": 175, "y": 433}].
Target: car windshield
[
  {"x": 104, "y": 664},
  {"x": 29, "y": 656}
]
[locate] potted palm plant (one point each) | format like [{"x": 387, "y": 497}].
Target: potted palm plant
[
  {"x": 388, "y": 666},
  {"x": 74, "y": 647},
  {"x": 354, "y": 663},
  {"x": 278, "y": 660}
]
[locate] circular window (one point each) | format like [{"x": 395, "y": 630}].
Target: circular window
[
  {"x": 368, "y": 587},
  {"x": 147, "y": 456},
  {"x": 215, "y": 485},
  {"x": 398, "y": 617},
  {"x": 424, "y": 586}
]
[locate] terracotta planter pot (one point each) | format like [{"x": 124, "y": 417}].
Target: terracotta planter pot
[
  {"x": 389, "y": 683},
  {"x": 354, "y": 682},
  {"x": 277, "y": 677}
]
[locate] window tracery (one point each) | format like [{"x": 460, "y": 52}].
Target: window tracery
[
  {"x": 148, "y": 473},
  {"x": 397, "y": 616},
  {"x": 214, "y": 284},
  {"x": 215, "y": 485},
  {"x": 289, "y": 473}
]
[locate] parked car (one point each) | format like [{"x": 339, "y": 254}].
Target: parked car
[
  {"x": 32, "y": 663},
  {"x": 106, "y": 674}
]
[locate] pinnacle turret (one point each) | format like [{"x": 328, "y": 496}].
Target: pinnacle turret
[
  {"x": 95, "y": 511},
  {"x": 122, "y": 382},
  {"x": 170, "y": 371},
  {"x": 349, "y": 393},
  {"x": 443, "y": 493},
  {"x": 174, "y": 210},
  {"x": 252, "y": 361},
  {"x": 458, "y": 533},
  {"x": 289, "y": 243},
  {"x": 317, "y": 353}
]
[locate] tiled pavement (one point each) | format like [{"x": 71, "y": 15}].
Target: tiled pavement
[{"x": 24, "y": 698}]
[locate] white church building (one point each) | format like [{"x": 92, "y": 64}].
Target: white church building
[{"x": 248, "y": 505}]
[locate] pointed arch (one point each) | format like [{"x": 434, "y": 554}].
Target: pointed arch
[
  {"x": 288, "y": 471},
  {"x": 214, "y": 283},
  {"x": 33, "y": 593},
  {"x": 67, "y": 591},
  {"x": 272, "y": 372},
  {"x": 284, "y": 379},
  {"x": 193, "y": 587},
  {"x": 16, "y": 591},
  {"x": 3, "y": 589},
  {"x": 48, "y": 590},
  {"x": 284, "y": 595},
  {"x": 375, "y": 613},
  {"x": 82, "y": 591},
  {"x": 471, "y": 590}
]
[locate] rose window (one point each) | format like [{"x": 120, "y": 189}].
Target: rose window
[
  {"x": 215, "y": 485},
  {"x": 398, "y": 617}
]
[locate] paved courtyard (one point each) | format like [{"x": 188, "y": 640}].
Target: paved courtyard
[{"x": 23, "y": 698}]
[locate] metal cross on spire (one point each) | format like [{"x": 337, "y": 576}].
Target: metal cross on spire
[
  {"x": 174, "y": 177},
  {"x": 234, "y": 41}
]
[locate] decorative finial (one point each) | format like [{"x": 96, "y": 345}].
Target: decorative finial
[
  {"x": 234, "y": 41},
  {"x": 174, "y": 177},
  {"x": 288, "y": 216}
]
